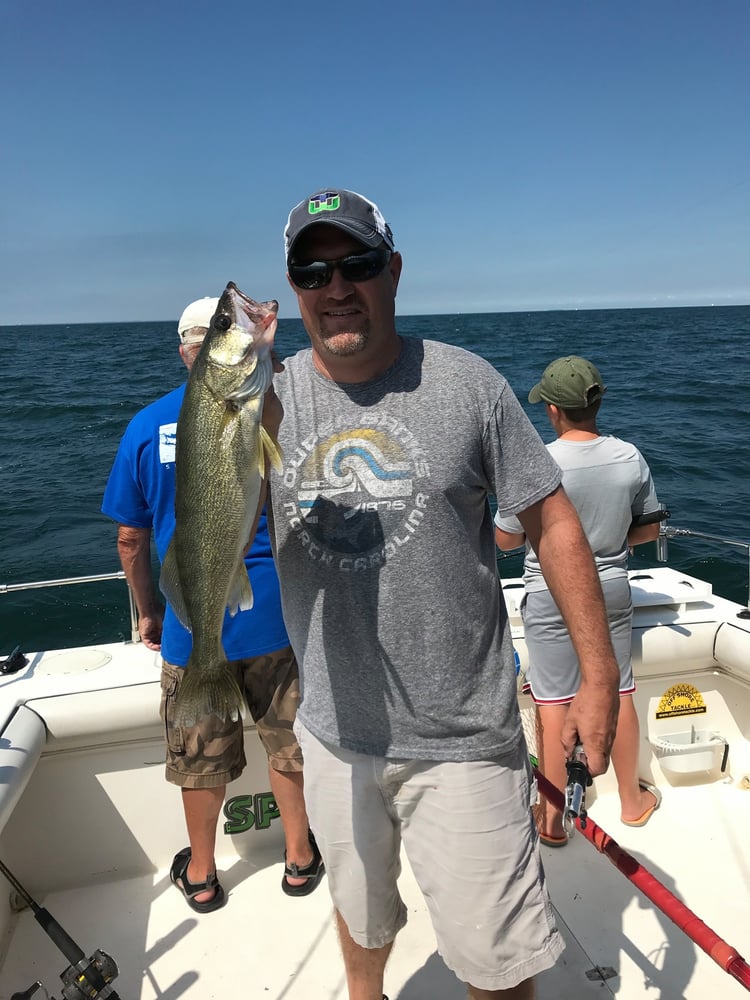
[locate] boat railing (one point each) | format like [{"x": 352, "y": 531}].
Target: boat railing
[
  {"x": 668, "y": 531},
  {"x": 7, "y": 588}
]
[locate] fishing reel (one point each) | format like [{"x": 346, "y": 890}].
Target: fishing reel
[
  {"x": 579, "y": 779},
  {"x": 81, "y": 983},
  {"x": 85, "y": 978},
  {"x": 89, "y": 979}
]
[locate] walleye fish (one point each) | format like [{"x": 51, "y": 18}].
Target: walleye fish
[{"x": 220, "y": 465}]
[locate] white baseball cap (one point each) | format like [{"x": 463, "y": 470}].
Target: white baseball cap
[{"x": 197, "y": 314}]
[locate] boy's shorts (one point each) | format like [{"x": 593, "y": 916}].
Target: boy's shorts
[
  {"x": 553, "y": 675},
  {"x": 212, "y": 752},
  {"x": 468, "y": 832}
]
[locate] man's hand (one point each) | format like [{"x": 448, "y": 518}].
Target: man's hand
[
  {"x": 591, "y": 720},
  {"x": 149, "y": 627}
]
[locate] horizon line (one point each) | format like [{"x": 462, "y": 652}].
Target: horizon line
[{"x": 485, "y": 312}]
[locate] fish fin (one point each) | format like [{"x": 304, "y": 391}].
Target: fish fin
[
  {"x": 169, "y": 585},
  {"x": 209, "y": 692},
  {"x": 271, "y": 448},
  {"x": 241, "y": 592},
  {"x": 227, "y": 426}
]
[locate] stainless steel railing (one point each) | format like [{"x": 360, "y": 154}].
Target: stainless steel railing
[
  {"x": 7, "y": 588},
  {"x": 667, "y": 531}
]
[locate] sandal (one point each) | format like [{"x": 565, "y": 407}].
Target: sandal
[
  {"x": 646, "y": 816},
  {"x": 550, "y": 841},
  {"x": 312, "y": 872},
  {"x": 178, "y": 875}
]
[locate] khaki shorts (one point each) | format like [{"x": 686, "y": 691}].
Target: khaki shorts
[
  {"x": 212, "y": 752},
  {"x": 469, "y": 835}
]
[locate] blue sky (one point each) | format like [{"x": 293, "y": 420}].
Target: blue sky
[{"x": 532, "y": 154}]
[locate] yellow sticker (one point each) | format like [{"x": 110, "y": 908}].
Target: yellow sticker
[{"x": 680, "y": 699}]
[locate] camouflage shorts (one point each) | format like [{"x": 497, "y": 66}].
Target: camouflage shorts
[{"x": 212, "y": 752}]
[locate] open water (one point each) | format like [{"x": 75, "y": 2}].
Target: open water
[{"x": 678, "y": 386}]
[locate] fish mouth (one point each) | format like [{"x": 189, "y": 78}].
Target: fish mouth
[
  {"x": 258, "y": 318},
  {"x": 261, "y": 313}
]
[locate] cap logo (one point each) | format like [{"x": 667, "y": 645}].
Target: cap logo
[{"x": 327, "y": 202}]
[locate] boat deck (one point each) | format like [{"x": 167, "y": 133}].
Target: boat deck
[
  {"x": 265, "y": 944},
  {"x": 88, "y": 826}
]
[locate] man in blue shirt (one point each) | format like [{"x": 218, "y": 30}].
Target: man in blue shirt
[{"x": 203, "y": 759}]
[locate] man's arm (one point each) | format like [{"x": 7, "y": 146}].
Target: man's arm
[
  {"x": 641, "y": 533},
  {"x": 555, "y": 533},
  {"x": 134, "y": 547},
  {"x": 506, "y": 540}
]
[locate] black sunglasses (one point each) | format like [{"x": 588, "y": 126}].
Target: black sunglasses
[{"x": 356, "y": 267}]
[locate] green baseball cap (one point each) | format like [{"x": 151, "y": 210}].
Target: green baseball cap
[{"x": 571, "y": 383}]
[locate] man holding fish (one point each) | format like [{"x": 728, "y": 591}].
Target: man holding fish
[
  {"x": 212, "y": 659},
  {"x": 383, "y": 535}
]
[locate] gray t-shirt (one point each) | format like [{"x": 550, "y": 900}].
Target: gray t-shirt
[
  {"x": 385, "y": 549},
  {"x": 609, "y": 483}
]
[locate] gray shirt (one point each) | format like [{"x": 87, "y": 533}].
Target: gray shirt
[
  {"x": 384, "y": 542},
  {"x": 609, "y": 483}
]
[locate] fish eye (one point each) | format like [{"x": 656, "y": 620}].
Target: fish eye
[{"x": 223, "y": 322}]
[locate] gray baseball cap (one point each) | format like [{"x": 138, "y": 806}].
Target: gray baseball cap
[
  {"x": 572, "y": 383},
  {"x": 349, "y": 211}
]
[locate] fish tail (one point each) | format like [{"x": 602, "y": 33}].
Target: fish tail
[{"x": 209, "y": 692}]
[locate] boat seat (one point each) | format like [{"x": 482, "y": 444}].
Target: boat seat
[
  {"x": 86, "y": 718},
  {"x": 21, "y": 746}
]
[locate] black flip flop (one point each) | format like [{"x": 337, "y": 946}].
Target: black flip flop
[
  {"x": 178, "y": 875},
  {"x": 312, "y": 872}
]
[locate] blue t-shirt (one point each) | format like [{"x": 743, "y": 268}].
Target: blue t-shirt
[{"x": 140, "y": 494}]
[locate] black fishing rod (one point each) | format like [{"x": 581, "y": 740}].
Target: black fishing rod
[{"x": 85, "y": 978}]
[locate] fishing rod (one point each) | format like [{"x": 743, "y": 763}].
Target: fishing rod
[
  {"x": 85, "y": 978},
  {"x": 727, "y": 957}
]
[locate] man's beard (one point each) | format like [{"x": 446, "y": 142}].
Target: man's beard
[{"x": 344, "y": 343}]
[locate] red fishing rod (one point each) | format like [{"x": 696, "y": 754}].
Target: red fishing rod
[{"x": 717, "y": 948}]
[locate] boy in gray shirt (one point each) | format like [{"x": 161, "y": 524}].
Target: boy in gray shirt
[{"x": 610, "y": 486}]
